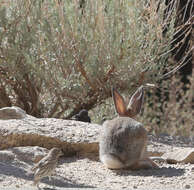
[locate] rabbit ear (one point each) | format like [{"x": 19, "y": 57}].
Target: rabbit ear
[
  {"x": 119, "y": 103},
  {"x": 136, "y": 102}
]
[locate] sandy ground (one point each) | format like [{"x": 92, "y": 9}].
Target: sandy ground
[
  {"x": 81, "y": 172},
  {"x": 87, "y": 173}
]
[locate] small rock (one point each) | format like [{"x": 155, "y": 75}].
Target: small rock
[
  {"x": 187, "y": 186},
  {"x": 12, "y": 113},
  {"x": 17, "y": 186},
  {"x": 162, "y": 182},
  {"x": 158, "y": 159},
  {"x": 182, "y": 155}
]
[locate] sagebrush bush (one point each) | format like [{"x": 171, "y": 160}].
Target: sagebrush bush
[
  {"x": 57, "y": 57},
  {"x": 172, "y": 112}
]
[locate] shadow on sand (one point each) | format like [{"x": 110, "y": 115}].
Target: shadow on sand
[
  {"x": 160, "y": 172},
  {"x": 9, "y": 169}
]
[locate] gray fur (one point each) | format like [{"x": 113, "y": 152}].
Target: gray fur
[{"x": 123, "y": 140}]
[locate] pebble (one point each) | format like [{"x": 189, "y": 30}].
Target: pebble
[
  {"x": 162, "y": 182},
  {"x": 187, "y": 186}
]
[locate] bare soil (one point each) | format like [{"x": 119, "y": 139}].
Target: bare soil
[{"x": 89, "y": 172}]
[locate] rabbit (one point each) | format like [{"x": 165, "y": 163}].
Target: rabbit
[{"x": 123, "y": 141}]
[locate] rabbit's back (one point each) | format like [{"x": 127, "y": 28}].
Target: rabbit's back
[{"x": 123, "y": 138}]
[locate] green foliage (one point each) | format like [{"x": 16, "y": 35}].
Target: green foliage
[{"x": 57, "y": 57}]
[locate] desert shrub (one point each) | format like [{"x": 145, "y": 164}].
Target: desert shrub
[
  {"x": 173, "y": 115},
  {"x": 170, "y": 113},
  {"x": 57, "y": 57}
]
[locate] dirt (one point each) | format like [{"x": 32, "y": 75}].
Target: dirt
[{"x": 89, "y": 172}]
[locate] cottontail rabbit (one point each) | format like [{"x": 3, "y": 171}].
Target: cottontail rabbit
[{"x": 123, "y": 140}]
